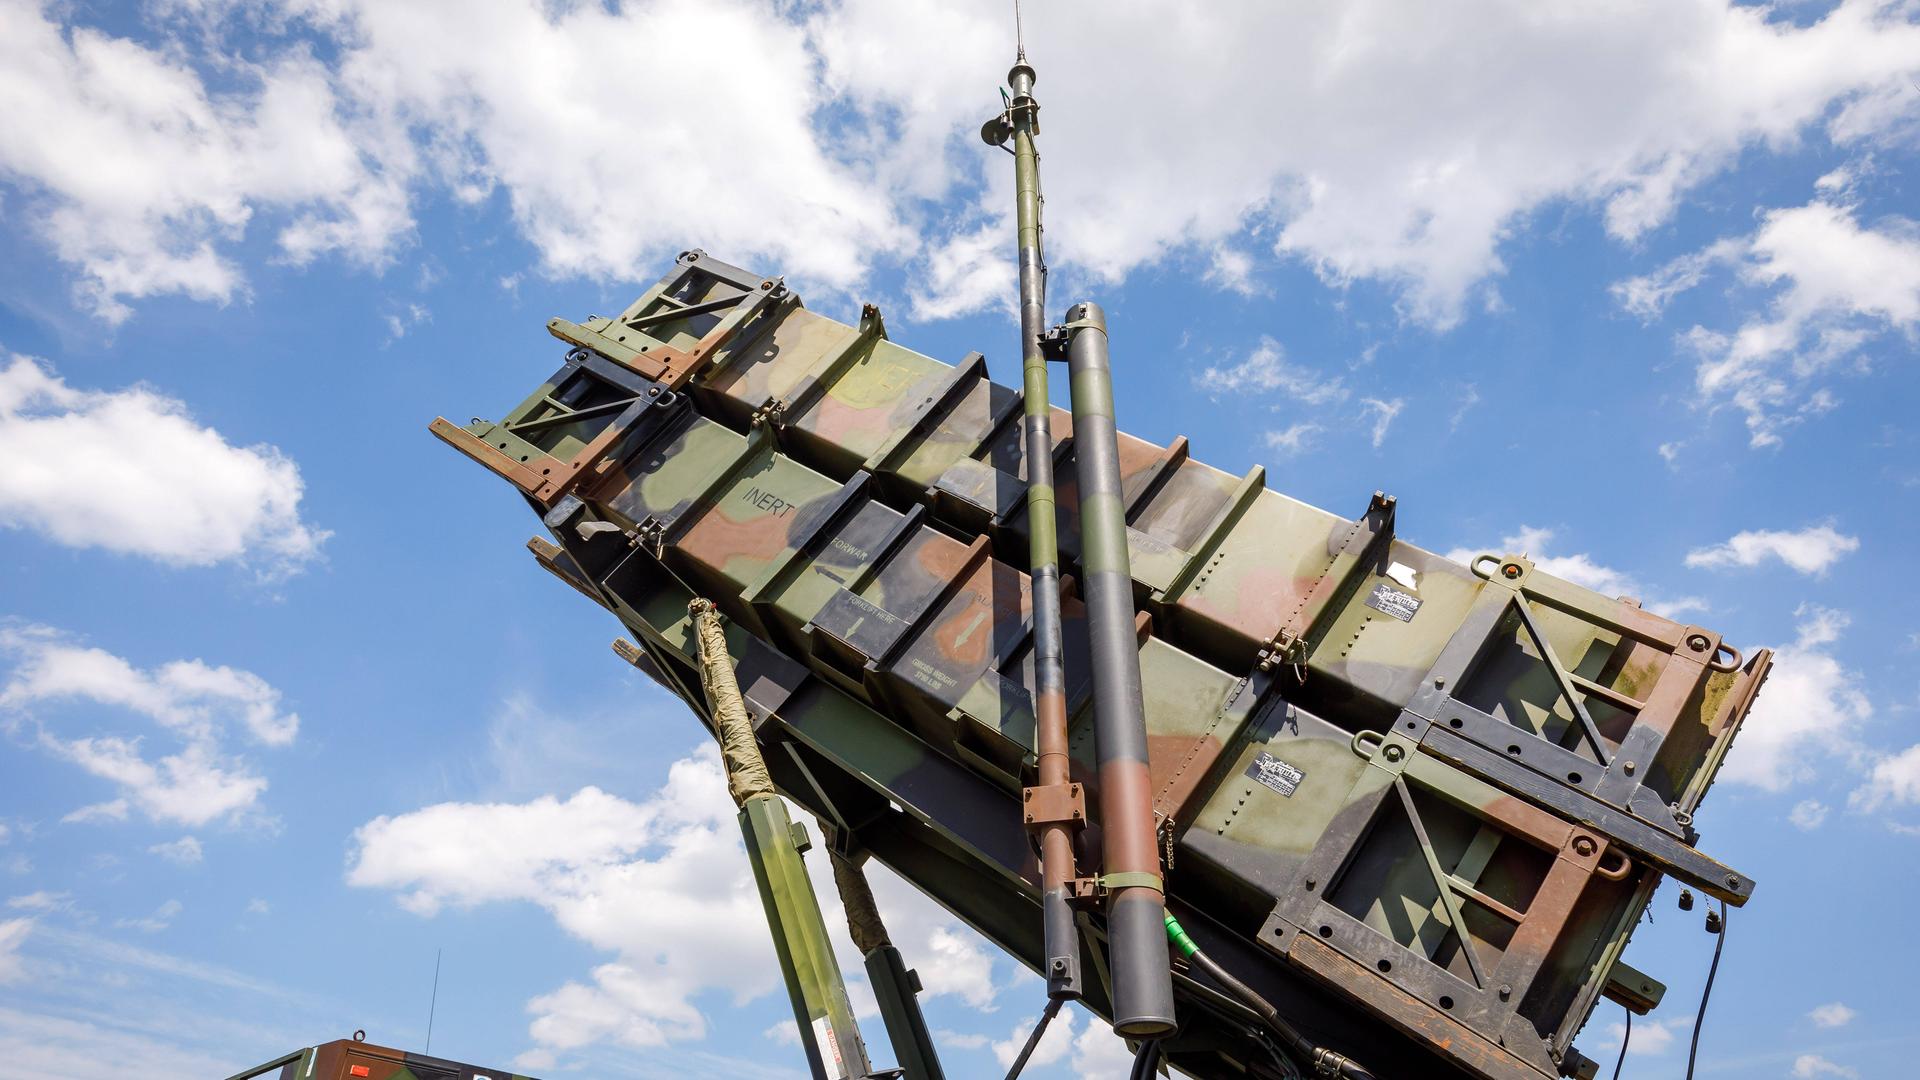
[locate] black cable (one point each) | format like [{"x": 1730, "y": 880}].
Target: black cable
[
  {"x": 1147, "y": 1061},
  {"x": 1624, "y": 1040},
  {"x": 1708, "y": 990},
  {"x": 1307, "y": 1055},
  {"x": 1046, "y": 1017}
]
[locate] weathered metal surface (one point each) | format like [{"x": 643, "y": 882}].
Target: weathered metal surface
[{"x": 1470, "y": 776}]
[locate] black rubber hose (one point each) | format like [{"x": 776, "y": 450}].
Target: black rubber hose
[{"x": 1146, "y": 1061}]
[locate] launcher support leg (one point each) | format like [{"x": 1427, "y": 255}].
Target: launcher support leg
[
  {"x": 774, "y": 846},
  {"x": 893, "y": 984}
]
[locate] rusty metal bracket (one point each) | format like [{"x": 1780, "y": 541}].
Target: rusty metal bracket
[{"x": 1054, "y": 804}]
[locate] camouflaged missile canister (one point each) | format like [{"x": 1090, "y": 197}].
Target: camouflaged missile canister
[{"x": 1418, "y": 805}]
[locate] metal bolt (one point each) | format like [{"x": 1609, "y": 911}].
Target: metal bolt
[
  {"x": 1311, "y": 882},
  {"x": 1505, "y": 992},
  {"x": 1439, "y": 684},
  {"x": 1394, "y": 753},
  {"x": 1628, "y": 768},
  {"x": 1697, "y": 642},
  {"x": 1511, "y": 570},
  {"x": 1583, "y": 846},
  {"x": 1733, "y": 881}
]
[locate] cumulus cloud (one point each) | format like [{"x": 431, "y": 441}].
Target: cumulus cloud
[
  {"x": 132, "y": 472},
  {"x": 1832, "y": 286},
  {"x": 200, "y": 706},
  {"x": 1413, "y": 143},
  {"x": 1582, "y": 569},
  {"x": 1832, "y": 1015},
  {"x": 1811, "y": 710},
  {"x": 1413, "y": 139},
  {"x": 1810, "y": 550},
  {"x": 143, "y": 178},
  {"x": 592, "y": 859}
]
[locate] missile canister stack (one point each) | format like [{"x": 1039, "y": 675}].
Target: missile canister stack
[{"x": 1403, "y": 810}]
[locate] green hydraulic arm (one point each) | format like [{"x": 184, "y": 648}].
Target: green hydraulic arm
[{"x": 775, "y": 844}]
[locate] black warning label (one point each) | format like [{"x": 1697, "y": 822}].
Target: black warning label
[
  {"x": 1276, "y": 774},
  {"x": 1400, "y": 605}
]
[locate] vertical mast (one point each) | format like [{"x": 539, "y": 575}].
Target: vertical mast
[{"x": 1049, "y": 803}]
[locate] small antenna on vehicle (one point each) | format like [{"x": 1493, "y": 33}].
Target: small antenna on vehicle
[{"x": 433, "y": 1001}]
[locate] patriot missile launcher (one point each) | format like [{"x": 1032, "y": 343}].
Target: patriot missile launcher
[
  {"x": 1272, "y": 789},
  {"x": 1418, "y": 805}
]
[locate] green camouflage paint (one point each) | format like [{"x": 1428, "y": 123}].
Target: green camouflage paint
[{"x": 1472, "y": 774}]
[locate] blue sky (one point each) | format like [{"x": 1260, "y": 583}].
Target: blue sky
[{"x": 285, "y": 708}]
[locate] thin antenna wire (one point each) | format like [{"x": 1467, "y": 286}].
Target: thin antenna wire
[
  {"x": 1019, "y": 41},
  {"x": 434, "y": 1001}
]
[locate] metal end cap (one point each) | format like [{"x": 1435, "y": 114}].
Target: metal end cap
[
  {"x": 1144, "y": 1027},
  {"x": 1019, "y": 69}
]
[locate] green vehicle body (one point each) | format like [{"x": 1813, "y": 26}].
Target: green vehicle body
[{"x": 1418, "y": 805}]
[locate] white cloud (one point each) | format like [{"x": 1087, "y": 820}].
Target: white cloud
[
  {"x": 1813, "y": 1066},
  {"x": 1810, "y": 550},
  {"x": 1295, "y": 439},
  {"x": 1651, "y": 1038},
  {"x": 1267, "y": 369},
  {"x": 501, "y": 99},
  {"x": 43, "y": 900},
  {"x": 140, "y": 176},
  {"x": 1383, "y": 413},
  {"x": 592, "y": 859},
  {"x": 198, "y": 704},
  {"x": 1809, "y": 814},
  {"x": 1054, "y": 1045},
  {"x": 186, "y": 851},
  {"x": 1832, "y": 1015},
  {"x": 1894, "y": 780},
  {"x": 1415, "y": 141},
  {"x": 257, "y": 906},
  {"x": 405, "y": 318},
  {"x": 1099, "y": 1053},
  {"x": 1812, "y": 709},
  {"x": 132, "y": 472},
  {"x": 1415, "y": 138},
  {"x": 1583, "y": 570},
  {"x": 1469, "y": 398},
  {"x": 1833, "y": 287},
  {"x": 44, "y": 1046},
  {"x": 1232, "y": 270},
  {"x": 161, "y": 918},
  {"x": 12, "y": 933}
]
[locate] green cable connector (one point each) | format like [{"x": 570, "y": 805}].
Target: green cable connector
[{"x": 1179, "y": 937}]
